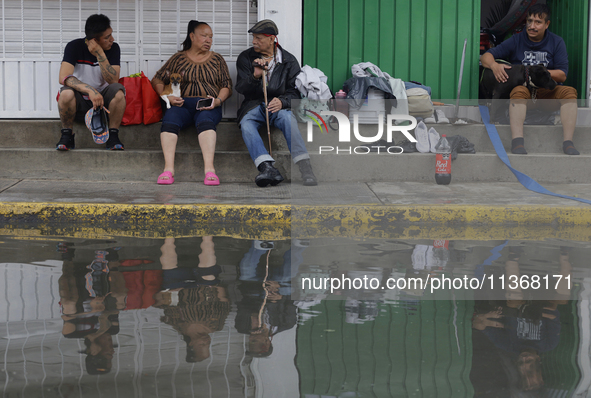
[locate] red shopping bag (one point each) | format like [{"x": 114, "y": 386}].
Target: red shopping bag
[
  {"x": 133, "y": 98},
  {"x": 151, "y": 102}
]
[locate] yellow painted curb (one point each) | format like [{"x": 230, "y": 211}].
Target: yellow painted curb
[
  {"x": 295, "y": 216},
  {"x": 443, "y": 214},
  {"x": 16, "y": 212}
]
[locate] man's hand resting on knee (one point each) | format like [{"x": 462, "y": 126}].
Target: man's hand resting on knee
[{"x": 275, "y": 105}]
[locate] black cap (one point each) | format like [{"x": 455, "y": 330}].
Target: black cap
[{"x": 265, "y": 26}]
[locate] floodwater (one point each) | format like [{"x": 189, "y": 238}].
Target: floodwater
[{"x": 225, "y": 316}]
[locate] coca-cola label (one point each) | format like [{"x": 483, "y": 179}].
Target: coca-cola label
[
  {"x": 440, "y": 243},
  {"x": 443, "y": 163}
]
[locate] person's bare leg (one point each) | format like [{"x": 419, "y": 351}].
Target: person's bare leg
[
  {"x": 207, "y": 141},
  {"x": 207, "y": 256},
  {"x": 67, "y": 108},
  {"x": 168, "y": 142},
  {"x": 116, "y": 110},
  {"x": 169, "y": 258},
  {"x": 568, "y": 117},
  {"x": 517, "y": 111}
]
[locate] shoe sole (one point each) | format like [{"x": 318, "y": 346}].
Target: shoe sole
[{"x": 264, "y": 182}]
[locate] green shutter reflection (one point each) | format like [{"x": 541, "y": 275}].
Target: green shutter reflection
[
  {"x": 415, "y": 348},
  {"x": 560, "y": 365}
]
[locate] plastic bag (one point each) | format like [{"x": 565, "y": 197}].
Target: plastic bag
[
  {"x": 306, "y": 105},
  {"x": 134, "y": 102},
  {"x": 151, "y": 102},
  {"x": 142, "y": 102},
  {"x": 356, "y": 89}
]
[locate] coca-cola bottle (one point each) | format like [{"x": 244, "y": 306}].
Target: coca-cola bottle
[{"x": 443, "y": 161}]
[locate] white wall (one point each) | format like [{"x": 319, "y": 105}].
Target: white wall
[{"x": 287, "y": 15}]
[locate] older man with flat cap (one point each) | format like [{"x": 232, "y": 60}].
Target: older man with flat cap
[{"x": 282, "y": 69}]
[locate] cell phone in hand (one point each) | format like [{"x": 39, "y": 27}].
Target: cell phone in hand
[{"x": 204, "y": 103}]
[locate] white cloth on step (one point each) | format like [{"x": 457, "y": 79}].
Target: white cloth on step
[
  {"x": 359, "y": 70},
  {"x": 399, "y": 91},
  {"x": 311, "y": 82}
]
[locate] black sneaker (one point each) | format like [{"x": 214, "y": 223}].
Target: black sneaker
[
  {"x": 66, "y": 142},
  {"x": 113, "y": 142}
]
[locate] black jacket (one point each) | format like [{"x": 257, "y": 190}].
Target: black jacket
[{"x": 281, "y": 85}]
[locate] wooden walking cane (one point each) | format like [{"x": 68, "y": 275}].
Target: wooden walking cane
[
  {"x": 266, "y": 291},
  {"x": 267, "y": 110}
]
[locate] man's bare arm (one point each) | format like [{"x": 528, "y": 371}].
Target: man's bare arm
[
  {"x": 110, "y": 73},
  {"x": 67, "y": 79},
  {"x": 488, "y": 61},
  {"x": 558, "y": 75}
]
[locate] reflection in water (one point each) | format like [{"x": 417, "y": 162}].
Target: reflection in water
[
  {"x": 510, "y": 335},
  {"x": 194, "y": 303},
  {"x": 219, "y": 317},
  {"x": 91, "y": 297},
  {"x": 266, "y": 307}
]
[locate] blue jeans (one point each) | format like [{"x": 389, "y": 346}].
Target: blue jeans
[
  {"x": 284, "y": 121},
  {"x": 251, "y": 271}
]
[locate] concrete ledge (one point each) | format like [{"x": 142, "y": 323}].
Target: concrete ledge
[
  {"x": 144, "y": 215},
  {"x": 298, "y": 218},
  {"x": 450, "y": 215}
]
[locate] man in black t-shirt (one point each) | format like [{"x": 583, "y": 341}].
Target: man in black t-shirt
[{"x": 89, "y": 74}]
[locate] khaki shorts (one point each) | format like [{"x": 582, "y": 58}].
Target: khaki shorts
[{"x": 83, "y": 104}]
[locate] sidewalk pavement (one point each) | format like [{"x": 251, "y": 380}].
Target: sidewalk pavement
[{"x": 25, "y": 201}]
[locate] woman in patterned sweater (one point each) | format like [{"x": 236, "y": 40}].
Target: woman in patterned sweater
[{"x": 204, "y": 75}]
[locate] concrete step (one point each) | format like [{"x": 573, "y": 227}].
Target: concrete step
[
  {"x": 27, "y": 151},
  {"x": 236, "y": 166},
  {"x": 538, "y": 139},
  {"x": 420, "y": 167},
  {"x": 46, "y": 133},
  {"x": 128, "y": 165}
]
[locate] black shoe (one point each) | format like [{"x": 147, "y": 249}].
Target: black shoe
[
  {"x": 569, "y": 148},
  {"x": 407, "y": 146},
  {"x": 113, "y": 142},
  {"x": 518, "y": 146},
  {"x": 268, "y": 175},
  {"x": 307, "y": 174},
  {"x": 67, "y": 141}
]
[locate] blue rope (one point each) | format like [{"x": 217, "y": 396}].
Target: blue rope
[
  {"x": 524, "y": 179},
  {"x": 495, "y": 255}
]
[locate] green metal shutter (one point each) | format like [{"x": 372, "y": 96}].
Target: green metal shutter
[
  {"x": 419, "y": 40},
  {"x": 570, "y": 20}
]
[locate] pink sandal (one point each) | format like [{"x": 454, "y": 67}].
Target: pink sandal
[
  {"x": 165, "y": 178},
  {"x": 211, "y": 174}
]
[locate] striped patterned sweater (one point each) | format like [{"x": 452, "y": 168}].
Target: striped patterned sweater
[{"x": 199, "y": 79}]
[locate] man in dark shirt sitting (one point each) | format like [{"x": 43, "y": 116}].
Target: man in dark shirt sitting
[
  {"x": 536, "y": 45},
  {"x": 90, "y": 76},
  {"x": 282, "y": 69}
]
